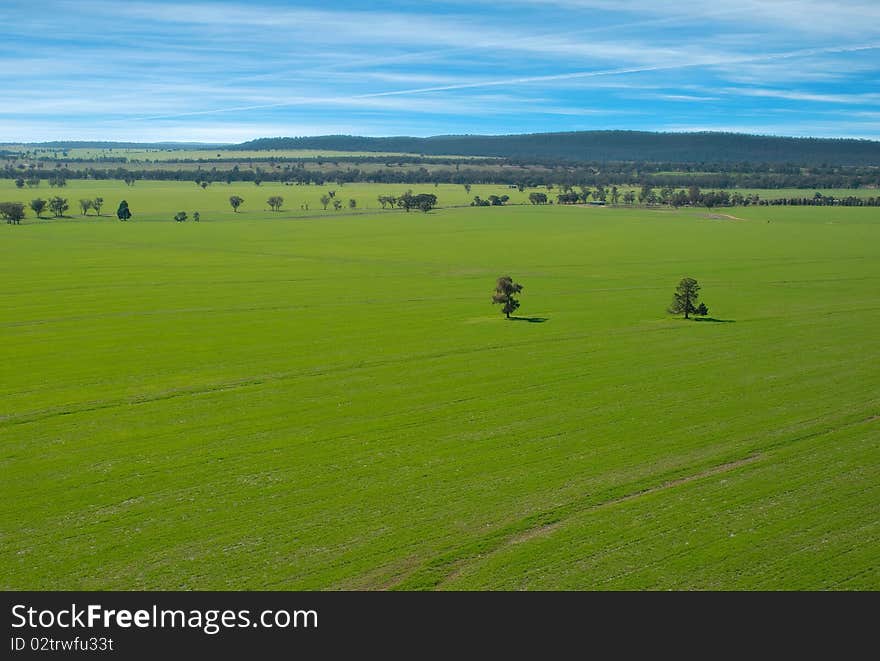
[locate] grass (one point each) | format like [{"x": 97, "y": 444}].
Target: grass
[
  {"x": 160, "y": 200},
  {"x": 333, "y": 402}
]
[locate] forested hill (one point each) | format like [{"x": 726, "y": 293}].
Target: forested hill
[
  {"x": 103, "y": 144},
  {"x": 606, "y": 146}
]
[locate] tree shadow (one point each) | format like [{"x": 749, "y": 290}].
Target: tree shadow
[
  {"x": 715, "y": 321},
  {"x": 531, "y": 320}
]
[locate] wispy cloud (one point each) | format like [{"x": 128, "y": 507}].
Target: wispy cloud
[
  {"x": 872, "y": 98},
  {"x": 216, "y": 68}
]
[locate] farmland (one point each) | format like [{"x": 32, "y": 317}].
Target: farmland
[
  {"x": 160, "y": 200},
  {"x": 323, "y": 400}
]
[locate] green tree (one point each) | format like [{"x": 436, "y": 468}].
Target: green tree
[
  {"x": 407, "y": 201},
  {"x": 38, "y": 206},
  {"x": 538, "y": 198},
  {"x": 19, "y": 183},
  {"x": 275, "y": 202},
  {"x": 180, "y": 216},
  {"x": 12, "y": 212},
  {"x": 58, "y": 205},
  {"x": 84, "y": 206},
  {"x": 352, "y": 204},
  {"x": 685, "y": 299},
  {"x": 426, "y": 201},
  {"x": 235, "y": 201},
  {"x": 97, "y": 203},
  {"x": 197, "y": 216},
  {"x": 123, "y": 212},
  {"x": 505, "y": 288},
  {"x": 337, "y": 205},
  {"x": 615, "y": 195},
  {"x": 325, "y": 200}
]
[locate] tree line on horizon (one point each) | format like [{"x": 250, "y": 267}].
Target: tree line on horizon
[
  {"x": 572, "y": 146},
  {"x": 616, "y": 145},
  {"x": 527, "y": 176}
]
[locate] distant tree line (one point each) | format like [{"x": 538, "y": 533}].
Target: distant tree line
[
  {"x": 500, "y": 173},
  {"x": 693, "y": 196},
  {"x": 605, "y": 146},
  {"x": 575, "y": 147}
]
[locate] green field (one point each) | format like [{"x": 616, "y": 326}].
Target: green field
[
  {"x": 160, "y": 200},
  {"x": 329, "y": 400}
]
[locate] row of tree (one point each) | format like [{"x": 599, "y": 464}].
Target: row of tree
[
  {"x": 694, "y": 197},
  {"x": 59, "y": 181},
  {"x": 14, "y": 212},
  {"x": 422, "y": 201},
  {"x": 522, "y": 176},
  {"x": 491, "y": 201}
]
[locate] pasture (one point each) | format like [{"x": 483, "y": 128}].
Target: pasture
[
  {"x": 321, "y": 400},
  {"x": 160, "y": 200}
]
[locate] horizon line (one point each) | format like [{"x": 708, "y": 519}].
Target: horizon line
[{"x": 200, "y": 143}]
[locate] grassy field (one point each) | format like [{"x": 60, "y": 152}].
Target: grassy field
[
  {"x": 333, "y": 402},
  {"x": 160, "y": 200}
]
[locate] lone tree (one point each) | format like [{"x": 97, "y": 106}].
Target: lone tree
[
  {"x": 325, "y": 200},
  {"x": 180, "y": 216},
  {"x": 38, "y": 206},
  {"x": 505, "y": 288},
  {"x": 12, "y": 212},
  {"x": 275, "y": 202},
  {"x": 685, "y": 299},
  {"x": 85, "y": 205},
  {"x": 235, "y": 201},
  {"x": 123, "y": 212},
  {"x": 97, "y": 203},
  {"x": 197, "y": 216}
]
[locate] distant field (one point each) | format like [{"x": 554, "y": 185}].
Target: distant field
[
  {"x": 334, "y": 403},
  {"x": 141, "y": 155},
  {"x": 160, "y": 200}
]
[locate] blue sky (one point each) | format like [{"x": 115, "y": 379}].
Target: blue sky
[{"x": 230, "y": 71}]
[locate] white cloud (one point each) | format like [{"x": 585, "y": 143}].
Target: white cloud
[{"x": 794, "y": 95}]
